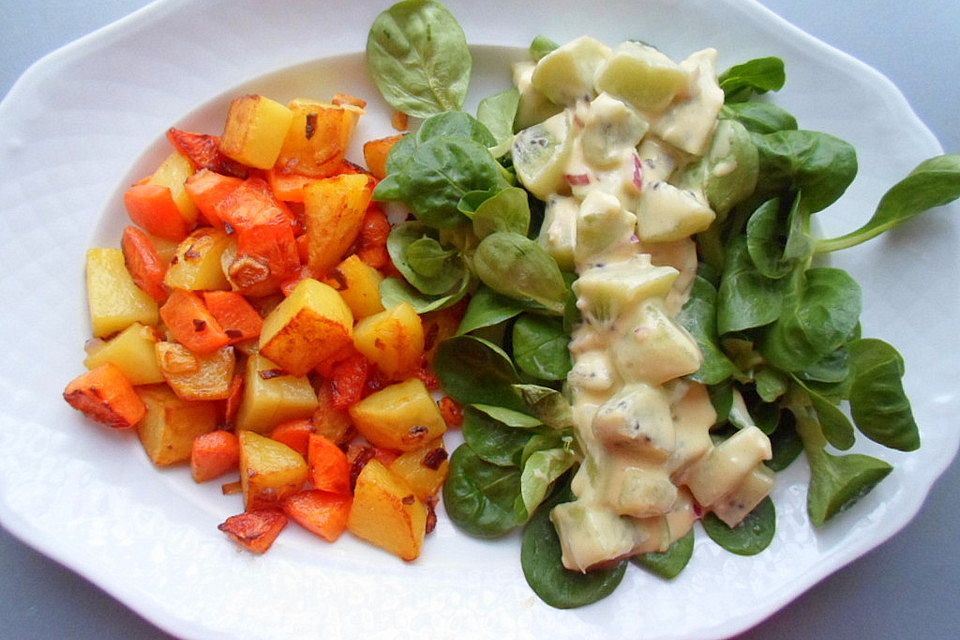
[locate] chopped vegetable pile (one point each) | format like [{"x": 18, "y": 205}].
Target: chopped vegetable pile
[{"x": 240, "y": 328}]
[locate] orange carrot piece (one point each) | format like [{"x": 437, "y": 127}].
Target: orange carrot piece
[
  {"x": 208, "y": 189},
  {"x": 375, "y": 154},
  {"x": 288, "y": 187},
  {"x": 253, "y": 204},
  {"x": 273, "y": 245},
  {"x": 105, "y": 395},
  {"x": 144, "y": 263},
  {"x": 231, "y": 488},
  {"x": 359, "y": 455},
  {"x": 232, "y": 404},
  {"x": 329, "y": 467},
  {"x": 191, "y": 324},
  {"x": 203, "y": 151},
  {"x": 372, "y": 240},
  {"x": 330, "y": 422},
  {"x": 348, "y": 380},
  {"x": 214, "y": 454},
  {"x": 151, "y": 207},
  {"x": 255, "y": 530},
  {"x": 236, "y": 316},
  {"x": 451, "y": 411},
  {"x": 295, "y": 434},
  {"x": 319, "y": 512}
]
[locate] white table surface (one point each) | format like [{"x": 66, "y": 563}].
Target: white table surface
[{"x": 907, "y": 588}]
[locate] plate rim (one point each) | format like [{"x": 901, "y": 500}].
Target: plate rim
[{"x": 20, "y": 526}]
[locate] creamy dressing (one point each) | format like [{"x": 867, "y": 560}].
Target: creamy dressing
[{"x": 649, "y": 466}]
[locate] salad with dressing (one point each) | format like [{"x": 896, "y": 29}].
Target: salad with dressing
[{"x": 649, "y": 333}]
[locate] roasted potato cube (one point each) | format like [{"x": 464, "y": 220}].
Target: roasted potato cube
[
  {"x": 132, "y": 350},
  {"x": 402, "y": 416},
  {"x": 358, "y": 284},
  {"x": 392, "y": 339},
  {"x": 255, "y": 130},
  {"x": 375, "y": 153},
  {"x": 113, "y": 298},
  {"x": 271, "y": 396},
  {"x": 387, "y": 513},
  {"x": 424, "y": 469},
  {"x": 317, "y": 138},
  {"x": 309, "y": 326},
  {"x": 172, "y": 174},
  {"x": 334, "y": 209},
  {"x": 168, "y": 430},
  {"x": 193, "y": 376},
  {"x": 196, "y": 265},
  {"x": 269, "y": 471}
]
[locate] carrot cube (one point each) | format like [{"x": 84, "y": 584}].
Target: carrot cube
[
  {"x": 255, "y": 530},
  {"x": 319, "y": 512},
  {"x": 214, "y": 454},
  {"x": 237, "y": 317},
  {"x": 328, "y": 465},
  {"x": 105, "y": 395},
  {"x": 191, "y": 323}
]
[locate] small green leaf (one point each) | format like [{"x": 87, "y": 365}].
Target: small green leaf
[
  {"x": 540, "y": 347},
  {"x": 498, "y": 111},
  {"x": 759, "y": 117},
  {"x": 419, "y": 59},
  {"x": 668, "y": 564},
  {"x": 547, "y": 404},
  {"x": 488, "y": 308},
  {"x": 518, "y": 267},
  {"x": 934, "y": 183},
  {"x": 540, "y": 560},
  {"x": 540, "y": 470},
  {"x": 475, "y": 371},
  {"x": 753, "y": 77},
  {"x": 509, "y": 417},
  {"x": 699, "y": 317},
  {"x": 541, "y": 46},
  {"x": 878, "y": 404},
  {"x": 507, "y": 210},
  {"x": 746, "y": 298},
  {"x": 492, "y": 440},
  {"x": 751, "y": 536},
  {"x": 479, "y": 497}
]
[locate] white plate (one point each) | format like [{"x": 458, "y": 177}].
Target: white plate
[{"x": 90, "y": 118}]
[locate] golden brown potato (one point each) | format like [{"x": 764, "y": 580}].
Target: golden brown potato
[
  {"x": 359, "y": 285},
  {"x": 402, "y": 416},
  {"x": 255, "y": 130},
  {"x": 269, "y": 471},
  {"x": 392, "y": 339},
  {"x": 132, "y": 350},
  {"x": 193, "y": 376},
  {"x": 271, "y": 396},
  {"x": 318, "y": 137},
  {"x": 310, "y": 325},
  {"x": 387, "y": 513},
  {"x": 114, "y": 300},
  {"x": 196, "y": 265},
  {"x": 171, "y": 424},
  {"x": 334, "y": 209},
  {"x": 424, "y": 469}
]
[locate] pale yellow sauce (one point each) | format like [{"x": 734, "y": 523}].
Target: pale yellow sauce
[{"x": 649, "y": 465}]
